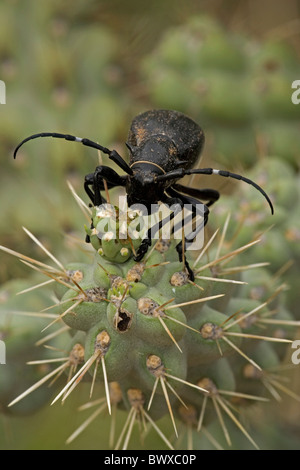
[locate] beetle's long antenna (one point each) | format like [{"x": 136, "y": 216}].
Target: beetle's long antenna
[
  {"x": 113, "y": 155},
  {"x": 180, "y": 173}
]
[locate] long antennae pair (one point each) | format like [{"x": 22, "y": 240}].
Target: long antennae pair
[{"x": 115, "y": 157}]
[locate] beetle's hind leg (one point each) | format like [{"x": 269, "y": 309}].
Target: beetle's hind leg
[
  {"x": 190, "y": 237},
  {"x": 207, "y": 194},
  {"x": 197, "y": 208}
]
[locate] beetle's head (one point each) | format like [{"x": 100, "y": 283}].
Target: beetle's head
[{"x": 142, "y": 188}]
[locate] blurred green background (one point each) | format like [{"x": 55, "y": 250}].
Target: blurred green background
[{"x": 87, "y": 67}]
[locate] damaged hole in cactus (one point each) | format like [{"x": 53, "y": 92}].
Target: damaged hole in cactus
[{"x": 123, "y": 320}]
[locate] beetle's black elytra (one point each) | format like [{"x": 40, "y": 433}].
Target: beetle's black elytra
[{"x": 164, "y": 146}]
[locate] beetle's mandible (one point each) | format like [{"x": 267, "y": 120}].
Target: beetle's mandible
[{"x": 164, "y": 146}]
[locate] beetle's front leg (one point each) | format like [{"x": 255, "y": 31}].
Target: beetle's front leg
[{"x": 96, "y": 182}]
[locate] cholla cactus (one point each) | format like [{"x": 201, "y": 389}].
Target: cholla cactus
[{"x": 161, "y": 344}]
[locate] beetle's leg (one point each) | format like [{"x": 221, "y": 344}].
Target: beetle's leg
[
  {"x": 96, "y": 181},
  {"x": 210, "y": 195},
  {"x": 146, "y": 242},
  {"x": 197, "y": 209},
  {"x": 189, "y": 238}
]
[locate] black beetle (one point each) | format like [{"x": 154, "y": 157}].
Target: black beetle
[{"x": 164, "y": 146}]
